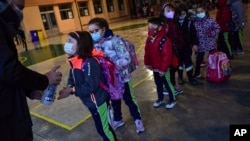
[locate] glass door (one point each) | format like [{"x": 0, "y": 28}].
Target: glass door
[{"x": 49, "y": 23}]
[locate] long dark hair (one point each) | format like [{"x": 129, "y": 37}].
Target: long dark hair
[{"x": 84, "y": 42}]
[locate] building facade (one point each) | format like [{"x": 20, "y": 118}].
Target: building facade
[{"x": 53, "y": 17}]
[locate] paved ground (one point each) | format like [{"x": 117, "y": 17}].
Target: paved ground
[{"x": 202, "y": 113}]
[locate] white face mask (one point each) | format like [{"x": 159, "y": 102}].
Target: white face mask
[
  {"x": 169, "y": 14},
  {"x": 68, "y": 48},
  {"x": 201, "y": 15}
]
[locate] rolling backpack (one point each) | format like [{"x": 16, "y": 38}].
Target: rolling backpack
[{"x": 218, "y": 67}]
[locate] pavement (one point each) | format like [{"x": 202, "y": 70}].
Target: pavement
[{"x": 202, "y": 113}]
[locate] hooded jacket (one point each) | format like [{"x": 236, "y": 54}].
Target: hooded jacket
[
  {"x": 224, "y": 15},
  {"x": 16, "y": 83}
]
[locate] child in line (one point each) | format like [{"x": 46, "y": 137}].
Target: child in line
[
  {"x": 158, "y": 59},
  {"x": 84, "y": 77},
  {"x": 206, "y": 30},
  {"x": 188, "y": 32},
  {"x": 103, "y": 41}
]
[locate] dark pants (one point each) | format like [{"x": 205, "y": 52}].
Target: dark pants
[
  {"x": 100, "y": 117},
  {"x": 199, "y": 60},
  {"x": 237, "y": 40},
  {"x": 130, "y": 101},
  {"x": 165, "y": 80},
  {"x": 224, "y": 44},
  {"x": 185, "y": 59}
]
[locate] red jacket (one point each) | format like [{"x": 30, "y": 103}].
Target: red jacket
[
  {"x": 224, "y": 15},
  {"x": 158, "y": 61}
]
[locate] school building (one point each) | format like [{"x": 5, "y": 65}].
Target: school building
[{"x": 46, "y": 18}]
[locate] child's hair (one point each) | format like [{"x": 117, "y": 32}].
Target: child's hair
[
  {"x": 155, "y": 20},
  {"x": 179, "y": 8},
  {"x": 203, "y": 6},
  {"x": 84, "y": 42},
  {"x": 167, "y": 4},
  {"x": 100, "y": 22}
]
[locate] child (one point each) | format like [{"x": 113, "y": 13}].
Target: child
[
  {"x": 173, "y": 33},
  {"x": 116, "y": 51},
  {"x": 206, "y": 30},
  {"x": 188, "y": 32},
  {"x": 84, "y": 77},
  {"x": 159, "y": 60},
  {"x": 224, "y": 18}
]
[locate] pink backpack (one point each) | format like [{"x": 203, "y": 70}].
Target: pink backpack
[{"x": 218, "y": 67}]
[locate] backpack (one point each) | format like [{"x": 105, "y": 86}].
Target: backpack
[
  {"x": 175, "y": 60},
  {"x": 134, "y": 63},
  {"x": 218, "y": 67},
  {"x": 112, "y": 83}
]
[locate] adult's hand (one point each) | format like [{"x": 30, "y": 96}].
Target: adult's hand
[
  {"x": 37, "y": 94},
  {"x": 54, "y": 76}
]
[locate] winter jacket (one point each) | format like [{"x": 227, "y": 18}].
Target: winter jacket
[
  {"x": 16, "y": 83},
  {"x": 224, "y": 15},
  {"x": 85, "y": 76},
  {"x": 158, "y": 61},
  {"x": 188, "y": 32},
  {"x": 206, "y": 30},
  {"x": 173, "y": 33},
  {"x": 237, "y": 6},
  {"x": 114, "y": 48}
]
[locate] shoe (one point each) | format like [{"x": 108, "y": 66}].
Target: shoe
[
  {"x": 139, "y": 126},
  {"x": 180, "y": 81},
  {"x": 178, "y": 91},
  {"x": 165, "y": 92},
  {"x": 203, "y": 64},
  {"x": 193, "y": 82},
  {"x": 118, "y": 124},
  {"x": 170, "y": 105},
  {"x": 158, "y": 103},
  {"x": 197, "y": 76},
  {"x": 240, "y": 52},
  {"x": 110, "y": 116}
]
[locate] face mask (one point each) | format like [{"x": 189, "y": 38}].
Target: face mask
[
  {"x": 68, "y": 49},
  {"x": 201, "y": 15},
  {"x": 169, "y": 15},
  {"x": 96, "y": 36},
  {"x": 152, "y": 32},
  {"x": 182, "y": 17}
]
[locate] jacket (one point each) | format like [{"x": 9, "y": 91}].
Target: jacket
[
  {"x": 16, "y": 83},
  {"x": 85, "y": 76},
  {"x": 158, "y": 61},
  {"x": 224, "y": 15},
  {"x": 114, "y": 48},
  {"x": 207, "y": 30}
]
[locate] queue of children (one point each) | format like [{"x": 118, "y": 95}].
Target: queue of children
[{"x": 172, "y": 37}]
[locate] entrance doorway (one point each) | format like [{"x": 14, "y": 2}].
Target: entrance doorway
[{"x": 49, "y": 21}]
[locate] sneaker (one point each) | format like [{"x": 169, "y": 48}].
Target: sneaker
[
  {"x": 110, "y": 116},
  {"x": 170, "y": 105},
  {"x": 240, "y": 52},
  {"x": 197, "y": 76},
  {"x": 203, "y": 64},
  {"x": 165, "y": 92},
  {"x": 118, "y": 124},
  {"x": 178, "y": 91},
  {"x": 158, "y": 103},
  {"x": 139, "y": 126}
]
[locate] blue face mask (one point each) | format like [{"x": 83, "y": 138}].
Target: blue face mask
[
  {"x": 68, "y": 48},
  {"x": 96, "y": 36},
  {"x": 201, "y": 15}
]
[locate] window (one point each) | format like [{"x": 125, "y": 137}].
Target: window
[
  {"x": 121, "y": 4},
  {"x": 110, "y": 5},
  {"x": 83, "y": 8},
  {"x": 97, "y": 6},
  {"x": 66, "y": 11}
]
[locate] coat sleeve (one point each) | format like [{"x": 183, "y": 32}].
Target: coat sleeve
[
  {"x": 70, "y": 81},
  {"x": 13, "y": 73},
  {"x": 193, "y": 34},
  {"x": 214, "y": 28},
  {"x": 91, "y": 79},
  {"x": 166, "y": 56},
  {"x": 146, "y": 53}
]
